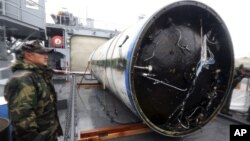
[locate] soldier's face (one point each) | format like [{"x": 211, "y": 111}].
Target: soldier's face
[{"x": 38, "y": 58}]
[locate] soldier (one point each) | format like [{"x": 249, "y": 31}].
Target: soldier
[
  {"x": 239, "y": 73},
  {"x": 31, "y": 96}
]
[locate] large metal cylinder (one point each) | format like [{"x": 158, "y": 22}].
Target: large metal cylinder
[{"x": 173, "y": 69}]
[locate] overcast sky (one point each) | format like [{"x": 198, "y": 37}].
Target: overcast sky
[{"x": 118, "y": 14}]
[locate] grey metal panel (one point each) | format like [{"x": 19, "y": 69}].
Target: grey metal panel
[
  {"x": 93, "y": 33},
  {"x": 34, "y": 16},
  {"x": 79, "y": 30},
  {"x": 11, "y": 9},
  {"x": 81, "y": 48},
  {"x": 20, "y": 10}
]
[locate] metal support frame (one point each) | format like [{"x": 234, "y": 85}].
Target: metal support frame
[
  {"x": 71, "y": 115},
  {"x": 107, "y": 133},
  {"x": 70, "y": 128},
  {"x": 73, "y": 123}
]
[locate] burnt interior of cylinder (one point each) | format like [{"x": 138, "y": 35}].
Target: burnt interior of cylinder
[{"x": 182, "y": 68}]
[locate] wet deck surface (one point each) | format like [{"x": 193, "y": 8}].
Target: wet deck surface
[{"x": 97, "y": 108}]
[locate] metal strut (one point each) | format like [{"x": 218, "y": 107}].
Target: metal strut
[{"x": 70, "y": 128}]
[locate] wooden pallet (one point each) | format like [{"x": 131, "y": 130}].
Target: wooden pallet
[
  {"x": 90, "y": 85},
  {"x": 102, "y": 134}
]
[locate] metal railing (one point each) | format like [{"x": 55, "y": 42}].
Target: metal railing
[{"x": 248, "y": 93}]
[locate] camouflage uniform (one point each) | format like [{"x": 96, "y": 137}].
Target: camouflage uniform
[{"x": 32, "y": 103}]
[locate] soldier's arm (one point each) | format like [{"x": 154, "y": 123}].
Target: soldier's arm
[
  {"x": 22, "y": 100},
  {"x": 240, "y": 73},
  {"x": 244, "y": 71}
]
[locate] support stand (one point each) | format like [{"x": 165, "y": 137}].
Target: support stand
[{"x": 106, "y": 133}]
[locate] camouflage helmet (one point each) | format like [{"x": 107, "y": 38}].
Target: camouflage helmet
[{"x": 35, "y": 46}]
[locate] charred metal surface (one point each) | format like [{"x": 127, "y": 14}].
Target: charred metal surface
[{"x": 187, "y": 50}]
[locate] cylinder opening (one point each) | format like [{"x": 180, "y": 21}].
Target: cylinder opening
[{"x": 182, "y": 67}]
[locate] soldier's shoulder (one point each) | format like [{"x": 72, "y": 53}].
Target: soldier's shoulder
[
  {"x": 20, "y": 76},
  {"x": 22, "y": 73},
  {"x": 18, "y": 81}
]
